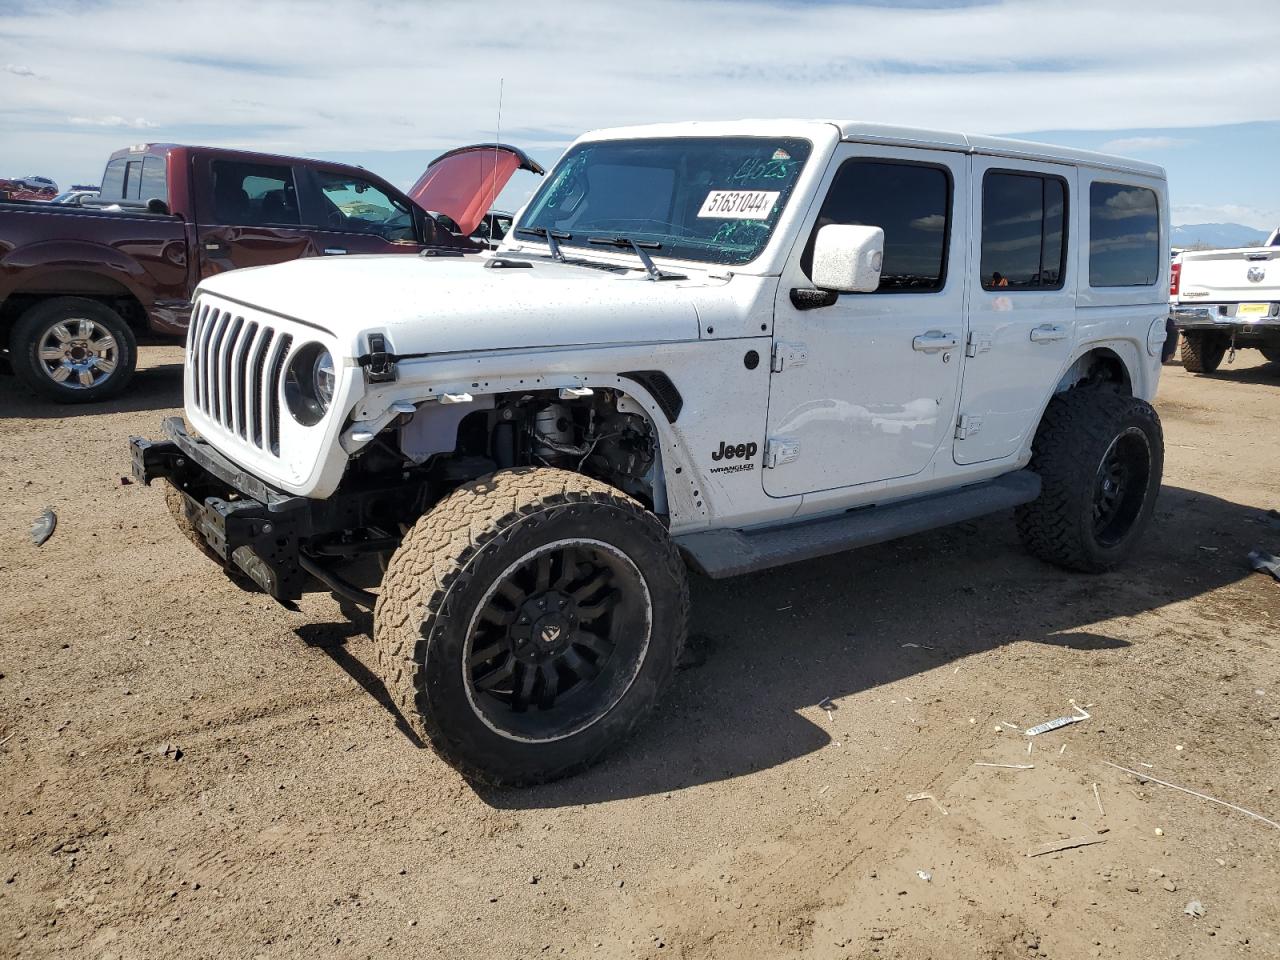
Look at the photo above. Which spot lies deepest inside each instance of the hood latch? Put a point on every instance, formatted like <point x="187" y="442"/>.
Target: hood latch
<point x="379" y="363"/>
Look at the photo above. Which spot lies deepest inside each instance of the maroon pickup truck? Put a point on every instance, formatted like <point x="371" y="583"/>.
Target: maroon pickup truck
<point x="78" y="283"/>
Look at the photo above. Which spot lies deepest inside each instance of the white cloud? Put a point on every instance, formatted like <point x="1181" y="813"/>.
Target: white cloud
<point x="18" y="70"/>
<point x="137" y="123"/>
<point x="355" y="75"/>
<point x="1128" y="145"/>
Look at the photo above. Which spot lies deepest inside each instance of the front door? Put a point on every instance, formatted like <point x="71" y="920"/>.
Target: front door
<point x="865" y="389"/>
<point x="352" y="215"/>
<point x="1022" y="309"/>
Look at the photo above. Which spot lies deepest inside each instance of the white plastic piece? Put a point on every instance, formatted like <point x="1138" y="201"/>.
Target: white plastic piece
<point x="362" y="436"/>
<point x="847" y="257"/>
<point x="575" y="393"/>
<point x="456" y="398"/>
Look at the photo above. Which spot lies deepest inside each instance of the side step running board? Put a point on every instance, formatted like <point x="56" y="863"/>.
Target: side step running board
<point x="728" y="553"/>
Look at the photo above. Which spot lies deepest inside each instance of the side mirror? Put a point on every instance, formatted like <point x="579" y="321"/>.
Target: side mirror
<point x="847" y="258"/>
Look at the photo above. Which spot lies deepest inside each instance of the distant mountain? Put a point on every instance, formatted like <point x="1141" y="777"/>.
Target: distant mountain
<point x="1216" y="235"/>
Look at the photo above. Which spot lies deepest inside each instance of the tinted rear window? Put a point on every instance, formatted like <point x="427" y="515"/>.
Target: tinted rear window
<point x="153" y="186"/>
<point x="254" y="194"/>
<point x="1124" y="236"/>
<point x="113" y="180"/>
<point x="1023" y="231"/>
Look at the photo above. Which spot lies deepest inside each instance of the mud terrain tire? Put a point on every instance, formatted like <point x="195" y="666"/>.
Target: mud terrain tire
<point x="1100" y="457"/>
<point x="565" y="590"/>
<point x="1202" y="352"/>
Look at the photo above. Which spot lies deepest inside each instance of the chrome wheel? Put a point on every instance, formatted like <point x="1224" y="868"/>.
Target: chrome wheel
<point x="77" y="353"/>
<point x="557" y="640"/>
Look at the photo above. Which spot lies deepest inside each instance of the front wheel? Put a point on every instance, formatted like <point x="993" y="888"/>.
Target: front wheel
<point x="73" y="350"/>
<point x="1100" y="457"/>
<point x="529" y="622"/>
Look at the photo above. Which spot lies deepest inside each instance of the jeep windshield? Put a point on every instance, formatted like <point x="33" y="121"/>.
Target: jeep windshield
<point x="714" y="199"/>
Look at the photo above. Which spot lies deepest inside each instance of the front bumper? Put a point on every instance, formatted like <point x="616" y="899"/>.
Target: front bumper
<point x="250" y="526"/>
<point x="280" y="541"/>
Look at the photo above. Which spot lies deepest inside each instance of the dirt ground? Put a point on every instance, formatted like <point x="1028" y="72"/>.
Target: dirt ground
<point x="192" y="771"/>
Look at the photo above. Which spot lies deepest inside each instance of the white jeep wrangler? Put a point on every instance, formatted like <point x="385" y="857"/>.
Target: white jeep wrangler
<point x="727" y="345"/>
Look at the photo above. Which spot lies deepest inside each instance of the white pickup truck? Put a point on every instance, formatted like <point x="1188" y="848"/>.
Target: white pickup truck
<point x="1226" y="300"/>
<point x="723" y="345"/>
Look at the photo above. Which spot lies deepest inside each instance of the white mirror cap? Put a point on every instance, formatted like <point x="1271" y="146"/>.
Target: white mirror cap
<point x="848" y="258"/>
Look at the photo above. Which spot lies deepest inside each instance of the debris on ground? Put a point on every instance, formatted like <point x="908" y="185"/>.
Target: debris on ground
<point x="1194" y="793"/>
<point x="1194" y="909"/>
<point x="1056" y="846"/>
<point x="1057" y="722"/>
<point x="1097" y="798"/>
<point x="912" y="798"/>
<point x="1007" y="766"/>
<point x="924" y="875"/>
<point x="44" y="526"/>
<point x="827" y="704"/>
<point x="1264" y="562"/>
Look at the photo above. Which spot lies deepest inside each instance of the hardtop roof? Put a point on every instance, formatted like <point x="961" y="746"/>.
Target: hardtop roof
<point x="861" y="131"/>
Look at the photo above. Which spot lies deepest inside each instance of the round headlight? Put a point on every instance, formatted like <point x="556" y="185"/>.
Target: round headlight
<point x="309" y="383"/>
<point x="324" y="379"/>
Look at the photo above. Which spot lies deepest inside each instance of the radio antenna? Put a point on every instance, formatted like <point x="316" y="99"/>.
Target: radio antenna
<point x="497" y="139"/>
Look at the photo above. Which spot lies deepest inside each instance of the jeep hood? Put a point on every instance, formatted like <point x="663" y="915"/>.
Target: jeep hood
<point x="428" y="305"/>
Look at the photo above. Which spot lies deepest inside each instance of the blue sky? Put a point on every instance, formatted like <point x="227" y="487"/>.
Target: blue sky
<point x="388" y="85"/>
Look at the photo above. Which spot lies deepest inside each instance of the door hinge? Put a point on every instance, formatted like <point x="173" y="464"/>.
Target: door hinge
<point x="778" y="451"/>
<point x="789" y="355"/>
<point x="978" y="343"/>
<point x="967" y="426"/>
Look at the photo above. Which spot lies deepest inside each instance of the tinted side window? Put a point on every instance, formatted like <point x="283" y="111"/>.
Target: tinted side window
<point x="113" y="181"/>
<point x="911" y="202"/>
<point x="254" y="194"/>
<point x="1124" y="236"/>
<point x="153" y="179"/>
<point x="132" y="174"/>
<point x="352" y="205"/>
<point x="1024" y="234"/>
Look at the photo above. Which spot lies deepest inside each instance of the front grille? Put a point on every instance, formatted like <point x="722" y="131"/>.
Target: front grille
<point x="236" y="367"/>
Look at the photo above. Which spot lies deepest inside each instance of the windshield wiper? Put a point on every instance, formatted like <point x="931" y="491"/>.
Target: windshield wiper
<point x="551" y="236"/>
<point x="638" y="246"/>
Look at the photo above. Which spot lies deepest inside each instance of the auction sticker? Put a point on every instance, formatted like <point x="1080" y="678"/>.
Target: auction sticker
<point x="739" y="204"/>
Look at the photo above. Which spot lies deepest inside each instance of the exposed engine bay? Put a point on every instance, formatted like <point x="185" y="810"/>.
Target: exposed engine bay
<point x="600" y="434"/>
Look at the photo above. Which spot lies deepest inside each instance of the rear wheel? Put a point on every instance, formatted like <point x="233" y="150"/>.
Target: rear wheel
<point x="1100" y="457"/>
<point x="73" y="350"/>
<point x="529" y="622"/>
<point x="1202" y="352"/>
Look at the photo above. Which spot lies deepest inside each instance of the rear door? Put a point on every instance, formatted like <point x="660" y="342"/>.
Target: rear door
<point x="1021" y="302"/>
<point x="248" y="214"/>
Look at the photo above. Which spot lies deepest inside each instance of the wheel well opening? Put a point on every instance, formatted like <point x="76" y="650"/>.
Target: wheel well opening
<point x="73" y="283"/>
<point x="1100" y="366"/>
